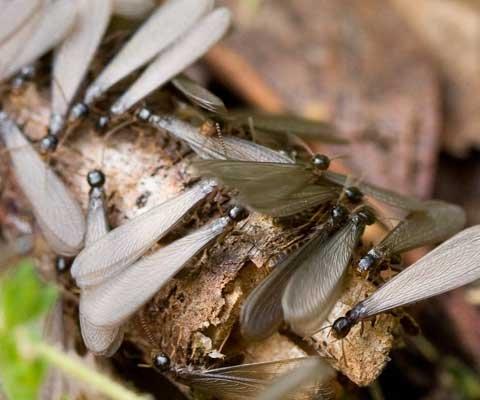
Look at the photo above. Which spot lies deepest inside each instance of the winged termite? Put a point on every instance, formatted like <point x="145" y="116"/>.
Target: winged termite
<point x="280" y="124"/>
<point x="103" y="341"/>
<point x="116" y="299"/>
<point x="193" y="45"/>
<point x="57" y="212"/>
<point x="37" y="36"/>
<point x="123" y="245"/>
<point x="314" y="288"/>
<point x="73" y="57"/>
<point x="209" y="147"/>
<point x="262" y="314"/>
<point x="165" y="25"/>
<point x="198" y="95"/>
<point x="454" y="263"/>
<point x="313" y="373"/>
<point x="133" y="8"/>
<point x="274" y="188"/>
<point x="420" y="228"/>
<point x="246" y="381"/>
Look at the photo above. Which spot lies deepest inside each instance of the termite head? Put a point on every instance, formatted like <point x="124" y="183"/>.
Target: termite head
<point x="79" y="110"/>
<point x="365" y="215"/>
<point x="96" y="178"/>
<point x="342" y="326"/>
<point x="369" y="260"/>
<point x="143" y="114"/>
<point x="237" y="213"/>
<point x="102" y="123"/>
<point x="353" y="194"/>
<point x="338" y="213"/>
<point x="49" y="143"/>
<point x="320" y="162"/>
<point x="61" y="264"/>
<point x="161" y="362"/>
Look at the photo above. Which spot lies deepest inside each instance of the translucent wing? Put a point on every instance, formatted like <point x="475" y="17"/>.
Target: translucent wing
<point x="276" y="189"/>
<point x="37" y="36"/>
<point x="384" y="195"/>
<point x="193" y="45"/>
<point x="133" y="8"/>
<point x="56" y="211"/>
<point x="292" y="124"/>
<point x="115" y="300"/>
<point x="308" y="378"/>
<point x="262" y="312"/>
<point x="245" y="381"/>
<point x="437" y="223"/>
<point x="454" y="263"/>
<point x="126" y="243"/>
<point x="214" y="148"/>
<point x="14" y="15"/>
<point x="198" y="95"/>
<point x="74" y="55"/>
<point x="166" y="24"/>
<point x="314" y="287"/>
<point x="100" y="341"/>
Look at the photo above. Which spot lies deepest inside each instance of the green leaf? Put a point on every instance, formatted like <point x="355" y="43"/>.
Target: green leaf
<point x="23" y="297"/>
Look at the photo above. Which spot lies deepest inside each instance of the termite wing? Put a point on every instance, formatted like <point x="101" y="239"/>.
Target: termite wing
<point x="44" y="30"/>
<point x="315" y="287"/>
<point x="123" y="245"/>
<point x="212" y="148"/>
<point x="280" y="124"/>
<point x="57" y="212"/>
<point x="15" y="15"/>
<point x="262" y="313"/>
<point x="194" y="44"/>
<point x="198" y="95"/>
<point x="453" y="264"/>
<point x="74" y="55"/>
<point x="54" y="385"/>
<point x="133" y="8"/>
<point x="103" y="341"/>
<point x="247" y="381"/>
<point x="118" y="298"/>
<point x="276" y="189"/>
<point x="436" y="223"/>
<point x="165" y="25"/>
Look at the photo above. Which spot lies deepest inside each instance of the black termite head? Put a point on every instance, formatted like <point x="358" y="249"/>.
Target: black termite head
<point x="161" y="362"/>
<point x="79" y="110"/>
<point x="49" y="143"/>
<point x="353" y="194"/>
<point x="366" y="262"/>
<point x="103" y="123"/>
<point x="143" y="114"/>
<point x="338" y="214"/>
<point x="320" y="162"/>
<point x="62" y="264"/>
<point x="237" y="213"/>
<point x="26" y="74"/>
<point x="96" y="178"/>
<point x="342" y="326"/>
<point x="364" y="215"/>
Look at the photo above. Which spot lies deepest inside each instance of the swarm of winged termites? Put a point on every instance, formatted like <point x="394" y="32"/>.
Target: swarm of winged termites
<point x="208" y="244"/>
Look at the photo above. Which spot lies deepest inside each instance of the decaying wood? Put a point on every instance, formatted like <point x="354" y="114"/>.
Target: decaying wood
<point x="194" y="318"/>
